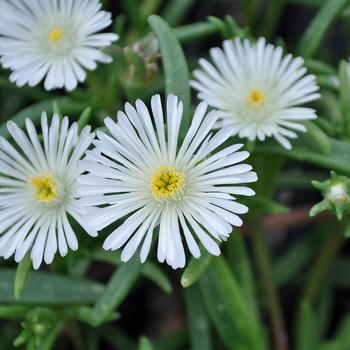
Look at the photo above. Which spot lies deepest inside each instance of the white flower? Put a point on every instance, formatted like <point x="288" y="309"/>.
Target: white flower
<point x="138" y="172"/>
<point x="257" y="90"/>
<point x="38" y="189"/>
<point x="55" y="39"/>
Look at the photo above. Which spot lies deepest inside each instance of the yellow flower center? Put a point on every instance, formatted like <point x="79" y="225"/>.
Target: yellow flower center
<point x="255" y="98"/>
<point x="45" y="189"/>
<point x="166" y="182"/>
<point x="55" y="35"/>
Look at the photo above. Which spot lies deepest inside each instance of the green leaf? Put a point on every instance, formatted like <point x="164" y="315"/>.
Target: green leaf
<point x="34" y="93"/>
<point x="150" y="270"/>
<point x="84" y="118"/>
<point x="22" y="274"/>
<point x="195" y="31"/>
<point x="176" y="10"/>
<point x="145" y="344"/>
<point x="13" y="312"/>
<point x="116" y="290"/>
<point x="131" y="8"/>
<point x="319" y="136"/>
<point x="312" y="37"/>
<point x="47" y="288"/>
<point x="341" y="339"/>
<point x="240" y="265"/>
<point x="229" y="309"/>
<point x="304" y="149"/>
<point x="272" y="17"/>
<point x="319" y="67"/>
<point x="175" y="66"/>
<point x="198" y="323"/>
<point x="195" y="269"/>
<point x="84" y="314"/>
<point x="307" y="328"/>
<point x="344" y="79"/>
<point x="33" y="112"/>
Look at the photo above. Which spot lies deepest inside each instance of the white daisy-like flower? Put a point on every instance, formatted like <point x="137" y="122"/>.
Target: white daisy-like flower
<point x="257" y="90"/>
<point x="38" y="189"/>
<point x="52" y="39"/>
<point x="139" y="174"/>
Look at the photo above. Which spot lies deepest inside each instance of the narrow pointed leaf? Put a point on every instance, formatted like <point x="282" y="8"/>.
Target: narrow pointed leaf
<point x="199" y="327"/>
<point x="116" y="290"/>
<point x="22" y="274"/>
<point x="312" y="37"/>
<point x="145" y="344"/>
<point x="229" y="309"/>
<point x="195" y="269"/>
<point x="307" y="328"/>
<point x="175" y="65"/>
<point x="66" y="105"/>
<point x="44" y="288"/>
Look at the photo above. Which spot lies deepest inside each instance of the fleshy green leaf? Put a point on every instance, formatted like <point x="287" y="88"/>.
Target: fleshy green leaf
<point x="198" y="320"/>
<point x="240" y="265"/>
<point x="195" y="31"/>
<point x="116" y="290"/>
<point x="22" y="274"/>
<point x="175" y="66"/>
<point x="176" y="10"/>
<point x="307" y="328"/>
<point x="47" y="288"/>
<point x="229" y="309"/>
<point x="150" y="270"/>
<point x="13" y="312"/>
<point x="341" y="339"/>
<point x="33" y="112"/>
<point x="319" y="136"/>
<point x="312" y="37"/>
<point x="84" y="118"/>
<point x="195" y="269"/>
<point x="145" y="344"/>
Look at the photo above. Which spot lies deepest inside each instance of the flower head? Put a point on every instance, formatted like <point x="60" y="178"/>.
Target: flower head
<point x="38" y="189"/>
<point x="140" y="174"/>
<point x="257" y="90"/>
<point x="52" y="40"/>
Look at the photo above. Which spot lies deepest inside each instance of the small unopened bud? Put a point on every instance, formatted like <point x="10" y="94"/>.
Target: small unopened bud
<point x="336" y="193"/>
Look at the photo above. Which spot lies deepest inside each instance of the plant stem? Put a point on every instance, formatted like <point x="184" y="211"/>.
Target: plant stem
<point x="323" y="263"/>
<point x="265" y="269"/>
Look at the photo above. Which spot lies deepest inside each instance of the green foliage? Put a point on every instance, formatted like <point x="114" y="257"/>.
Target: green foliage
<point x="312" y="37"/>
<point x="199" y="327"/>
<point x="43" y="288"/>
<point x="116" y="290"/>
<point x="22" y="274"/>
<point x="175" y="66"/>
<point x="229" y="309"/>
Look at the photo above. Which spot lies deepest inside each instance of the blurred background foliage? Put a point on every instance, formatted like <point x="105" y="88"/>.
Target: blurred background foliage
<point x="282" y="281"/>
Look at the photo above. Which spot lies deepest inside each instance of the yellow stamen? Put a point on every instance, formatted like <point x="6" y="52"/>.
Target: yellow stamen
<point x="56" y="34"/>
<point x="45" y="189"/>
<point x="256" y="98"/>
<point x="166" y="182"/>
